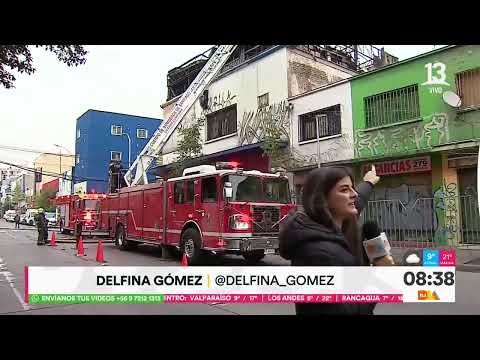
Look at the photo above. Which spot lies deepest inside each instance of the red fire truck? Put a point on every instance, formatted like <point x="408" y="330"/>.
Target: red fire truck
<point x="217" y="209"/>
<point x="80" y="213"/>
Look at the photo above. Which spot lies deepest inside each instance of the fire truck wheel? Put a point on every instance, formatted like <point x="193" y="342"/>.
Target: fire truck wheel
<point x="254" y="257"/>
<point x="191" y="246"/>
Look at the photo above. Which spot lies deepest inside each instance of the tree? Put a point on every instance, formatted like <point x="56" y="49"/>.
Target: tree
<point x="19" y="58"/>
<point x="7" y="205"/>
<point x="17" y="196"/>
<point x="189" y="146"/>
<point x="42" y="200"/>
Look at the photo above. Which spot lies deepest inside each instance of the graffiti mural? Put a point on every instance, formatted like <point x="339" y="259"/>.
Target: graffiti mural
<point x="403" y="138"/>
<point x="255" y="124"/>
<point x="445" y="203"/>
<point x="219" y="102"/>
<point x="334" y="152"/>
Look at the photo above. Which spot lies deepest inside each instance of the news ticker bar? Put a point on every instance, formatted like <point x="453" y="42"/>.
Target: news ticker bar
<point x="208" y="298"/>
<point x="239" y="284"/>
<point x="142" y="285"/>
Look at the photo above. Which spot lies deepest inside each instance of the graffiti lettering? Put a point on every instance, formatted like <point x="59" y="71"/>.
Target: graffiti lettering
<point x="219" y="102"/>
<point x="403" y="138"/>
<point x="255" y="124"/>
<point x="335" y="151"/>
<point x="445" y="202"/>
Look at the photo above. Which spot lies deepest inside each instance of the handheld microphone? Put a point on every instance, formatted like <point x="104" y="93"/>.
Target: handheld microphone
<point x="376" y="243"/>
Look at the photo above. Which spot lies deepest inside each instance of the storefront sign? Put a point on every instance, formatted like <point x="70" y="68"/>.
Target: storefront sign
<point x="400" y="166"/>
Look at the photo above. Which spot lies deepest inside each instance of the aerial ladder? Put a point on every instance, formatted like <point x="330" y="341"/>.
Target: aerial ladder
<point x="137" y="173"/>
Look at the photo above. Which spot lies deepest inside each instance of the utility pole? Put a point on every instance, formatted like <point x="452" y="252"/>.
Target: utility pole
<point x="317" y="123"/>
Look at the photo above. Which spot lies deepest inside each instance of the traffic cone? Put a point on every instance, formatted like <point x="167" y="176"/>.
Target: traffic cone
<point x="53" y="239"/>
<point x="184" y="260"/>
<point x="100" y="258"/>
<point x="80" y="250"/>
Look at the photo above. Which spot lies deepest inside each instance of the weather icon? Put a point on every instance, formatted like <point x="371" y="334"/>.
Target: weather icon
<point x="413" y="259"/>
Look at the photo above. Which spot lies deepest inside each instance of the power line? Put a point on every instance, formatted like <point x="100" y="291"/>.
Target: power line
<point x="53" y="174"/>
<point x="14" y="148"/>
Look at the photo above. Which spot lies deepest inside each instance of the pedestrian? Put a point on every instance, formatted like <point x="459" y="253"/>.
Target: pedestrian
<point x="17" y="221"/>
<point x="40" y="221"/>
<point x="326" y="232"/>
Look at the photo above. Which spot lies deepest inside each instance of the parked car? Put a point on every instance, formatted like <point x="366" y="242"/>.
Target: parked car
<point x="51" y="218"/>
<point x="10" y="215"/>
<point x="30" y="216"/>
<point x="23" y="219"/>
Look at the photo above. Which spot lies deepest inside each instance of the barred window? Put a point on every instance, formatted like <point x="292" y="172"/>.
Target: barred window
<point x="263" y="101"/>
<point x="392" y="106"/>
<point x="329" y="124"/>
<point x="468" y="85"/>
<point x="115" y="155"/>
<point x="116" y="130"/>
<point x="142" y="133"/>
<point x="222" y="123"/>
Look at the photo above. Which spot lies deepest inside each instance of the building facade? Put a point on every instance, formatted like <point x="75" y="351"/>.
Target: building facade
<point x="250" y="98"/>
<point x="105" y="136"/>
<point x="328" y="107"/>
<point x="408" y="123"/>
<point x="51" y="167"/>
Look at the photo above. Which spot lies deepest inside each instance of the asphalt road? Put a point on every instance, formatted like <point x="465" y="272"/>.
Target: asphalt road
<point x="18" y="248"/>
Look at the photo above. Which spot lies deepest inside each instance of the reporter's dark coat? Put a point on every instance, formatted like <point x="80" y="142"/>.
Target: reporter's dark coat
<point x="308" y="243"/>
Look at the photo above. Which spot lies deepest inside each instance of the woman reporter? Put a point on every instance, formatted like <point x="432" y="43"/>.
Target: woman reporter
<point x="326" y="233"/>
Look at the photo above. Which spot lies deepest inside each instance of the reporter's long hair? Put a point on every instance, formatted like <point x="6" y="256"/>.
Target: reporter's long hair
<point x="317" y="185"/>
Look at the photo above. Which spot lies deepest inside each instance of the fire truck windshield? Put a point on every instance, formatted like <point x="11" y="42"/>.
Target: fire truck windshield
<point x="276" y="190"/>
<point x="91" y="204"/>
<point x="256" y="189"/>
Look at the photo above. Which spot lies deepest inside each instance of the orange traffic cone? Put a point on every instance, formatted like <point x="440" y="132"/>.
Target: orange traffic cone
<point x="53" y="239"/>
<point x="80" y="250"/>
<point x="184" y="260"/>
<point x="100" y="258"/>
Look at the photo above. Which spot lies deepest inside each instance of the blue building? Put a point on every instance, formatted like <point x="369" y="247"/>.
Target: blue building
<point x="103" y="136"/>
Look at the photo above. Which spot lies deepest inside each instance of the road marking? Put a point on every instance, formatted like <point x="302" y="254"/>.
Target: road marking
<point x="10" y="279"/>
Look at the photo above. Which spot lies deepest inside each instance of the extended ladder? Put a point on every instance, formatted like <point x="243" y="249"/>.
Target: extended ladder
<point x="153" y="148"/>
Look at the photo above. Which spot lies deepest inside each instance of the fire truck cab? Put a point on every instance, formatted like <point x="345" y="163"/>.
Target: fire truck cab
<point x="218" y="209"/>
<point x="79" y="214"/>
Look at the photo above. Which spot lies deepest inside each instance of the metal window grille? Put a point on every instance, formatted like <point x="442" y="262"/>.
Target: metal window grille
<point x="468" y="86"/>
<point x="222" y="123"/>
<point x="417" y="224"/>
<point x="392" y="107"/>
<point x="328" y="126"/>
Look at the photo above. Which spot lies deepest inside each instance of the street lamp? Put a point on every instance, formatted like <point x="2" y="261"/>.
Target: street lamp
<point x="129" y="147"/>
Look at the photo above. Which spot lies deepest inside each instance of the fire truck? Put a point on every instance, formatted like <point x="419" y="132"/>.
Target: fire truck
<point x="79" y="214"/>
<point x="219" y="209"/>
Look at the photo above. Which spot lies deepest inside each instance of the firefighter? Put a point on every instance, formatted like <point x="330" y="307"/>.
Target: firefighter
<point x="40" y="221"/>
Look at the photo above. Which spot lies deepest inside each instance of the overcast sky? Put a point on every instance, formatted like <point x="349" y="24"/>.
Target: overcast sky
<point x="42" y="108"/>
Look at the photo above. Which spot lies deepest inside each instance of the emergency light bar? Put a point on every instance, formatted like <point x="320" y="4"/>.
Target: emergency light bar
<point x="227" y="165"/>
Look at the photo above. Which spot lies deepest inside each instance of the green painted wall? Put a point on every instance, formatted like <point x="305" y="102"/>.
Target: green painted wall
<point x="440" y="124"/>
